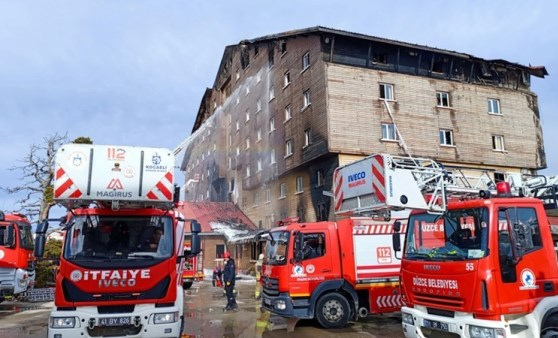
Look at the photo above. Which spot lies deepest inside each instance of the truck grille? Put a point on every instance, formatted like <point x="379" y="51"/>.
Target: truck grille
<point x="437" y="300"/>
<point x="115" y="309"/>
<point x="270" y="286"/>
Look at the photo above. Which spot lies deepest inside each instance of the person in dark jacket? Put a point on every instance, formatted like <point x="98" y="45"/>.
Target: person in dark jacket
<point x="229" y="276"/>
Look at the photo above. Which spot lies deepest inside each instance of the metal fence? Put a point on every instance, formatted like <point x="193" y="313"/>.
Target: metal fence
<point x="38" y="295"/>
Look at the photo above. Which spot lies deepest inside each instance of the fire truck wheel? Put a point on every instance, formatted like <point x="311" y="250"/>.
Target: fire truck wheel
<point x="550" y="327"/>
<point x="187" y="284"/>
<point x="332" y="311"/>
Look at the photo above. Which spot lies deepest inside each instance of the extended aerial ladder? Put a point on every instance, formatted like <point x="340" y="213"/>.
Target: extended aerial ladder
<point x="382" y="183"/>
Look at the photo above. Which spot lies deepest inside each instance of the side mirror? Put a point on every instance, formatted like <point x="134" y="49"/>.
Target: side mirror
<point x="40" y="245"/>
<point x="176" y="197"/>
<point x="195" y="227"/>
<point x="9" y="236"/>
<point x="396" y="238"/>
<point x="519" y="241"/>
<point x="42" y="227"/>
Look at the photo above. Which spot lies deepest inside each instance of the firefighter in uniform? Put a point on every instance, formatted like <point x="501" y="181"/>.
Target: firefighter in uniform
<point x="229" y="275"/>
<point x="259" y="264"/>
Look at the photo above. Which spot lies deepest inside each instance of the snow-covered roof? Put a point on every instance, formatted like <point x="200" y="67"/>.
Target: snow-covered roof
<point x="233" y="232"/>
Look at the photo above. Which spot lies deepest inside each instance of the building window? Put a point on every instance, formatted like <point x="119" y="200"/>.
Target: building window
<point x="446" y="137"/>
<point x="237" y="151"/>
<point x="307" y="100"/>
<point x="442" y="99"/>
<point x="259" y="164"/>
<point x="259" y="134"/>
<point x="498" y="143"/>
<point x="270" y="58"/>
<point x="272" y="157"/>
<point x="283" y="47"/>
<point x="231" y="185"/>
<point x="258" y="106"/>
<point x="247" y="143"/>
<point x="307" y="138"/>
<point x="247" y="170"/>
<point x="247" y="116"/>
<point x="286" y="79"/>
<point x="288" y="148"/>
<point x="282" y="190"/>
<point x="379" y="58"/>
<point x="237" y="125"/>
<point x="271" y="124"/>
<point x="386" y="91"/>
<point x="288" y="113"/>
<point x="299" y="185"/>
<point x="499" y="177"/>
<point x="256" y="199"/>
<point x="219" y="250"/>
<point x="389" y="132"/>
<point x="271" y="93"/>
<point x="494" y="106"/>
<point x="306" y="61"/>
<point x="268" y="195"/>
<point x="320" y="178"/>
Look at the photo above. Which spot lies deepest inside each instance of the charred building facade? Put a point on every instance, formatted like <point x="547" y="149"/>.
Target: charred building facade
<point x="287" y="109"/>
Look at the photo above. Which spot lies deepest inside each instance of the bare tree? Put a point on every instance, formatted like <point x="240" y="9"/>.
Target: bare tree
<point x="37" y="177"/>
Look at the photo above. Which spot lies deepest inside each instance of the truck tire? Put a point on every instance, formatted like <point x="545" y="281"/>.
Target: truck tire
<point x="332" y="311"/>
<point x="187" y="284"/>
<point x="550" y="327"/>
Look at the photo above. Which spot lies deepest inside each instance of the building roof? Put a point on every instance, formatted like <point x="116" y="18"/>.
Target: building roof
<point x="221" y="218"/>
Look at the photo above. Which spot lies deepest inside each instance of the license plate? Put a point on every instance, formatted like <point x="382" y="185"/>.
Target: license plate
<point x="267" y="301"/>
<point x="432" y="324"/>
<point x="115" y="321"/>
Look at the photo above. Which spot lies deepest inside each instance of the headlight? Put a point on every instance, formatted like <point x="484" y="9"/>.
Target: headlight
<point x="22" y="283"/>
<point x="280" y="304"/>
<point x="164" y="318"/>
<point x="407" y="318"/>
<point x="62" y="322"/>
<point x="485" y="332"/>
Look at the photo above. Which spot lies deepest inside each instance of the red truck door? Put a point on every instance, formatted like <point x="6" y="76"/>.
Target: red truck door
<point x="316" y="264"/>
<point x="525" y="281"/>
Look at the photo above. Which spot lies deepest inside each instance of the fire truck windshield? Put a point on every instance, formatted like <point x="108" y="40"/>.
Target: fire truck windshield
<point x="459" y="234"/>
<point x="93" y="237"/>
<point x="276" y="248"/>
<point x="25" y="235"/>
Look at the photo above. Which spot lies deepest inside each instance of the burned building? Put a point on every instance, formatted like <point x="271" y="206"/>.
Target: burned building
<point x="286" y="109"/>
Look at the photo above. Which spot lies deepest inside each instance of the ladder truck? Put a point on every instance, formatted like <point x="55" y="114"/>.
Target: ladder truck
<point x="340" y="271"/>
<point x="478" y="258"/>
<point x="123" y="254"/>
<point x="17" y="263"/>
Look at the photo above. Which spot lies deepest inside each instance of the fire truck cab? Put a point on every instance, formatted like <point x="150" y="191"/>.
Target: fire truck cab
<point x="486" y="267"/>
<point x="123" y="254"/>
<point x="17" y="263"/>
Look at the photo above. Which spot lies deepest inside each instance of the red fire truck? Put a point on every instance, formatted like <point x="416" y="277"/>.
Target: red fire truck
<point x="192" y="271"/>
<point x="335" y="271"/>
<point x="121" y="264"/>
<point x="482" y="266"/>
<point x="477" y="261"/>
<point x="17" y="263"/>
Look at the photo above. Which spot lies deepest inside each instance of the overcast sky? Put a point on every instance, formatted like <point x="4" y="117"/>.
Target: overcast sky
<point x="133" y="72"/>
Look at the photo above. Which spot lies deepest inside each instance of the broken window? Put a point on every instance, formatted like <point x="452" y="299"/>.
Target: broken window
<point x="446" y="137"/>
<point x="283" y="46"/>
<point x="379" y="58"/>
<point x="442" y="99"/>
<point x="386" y="91"/>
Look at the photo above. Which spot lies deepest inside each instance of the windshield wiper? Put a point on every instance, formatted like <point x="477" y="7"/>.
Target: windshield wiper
<point x="134" y="255"/>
